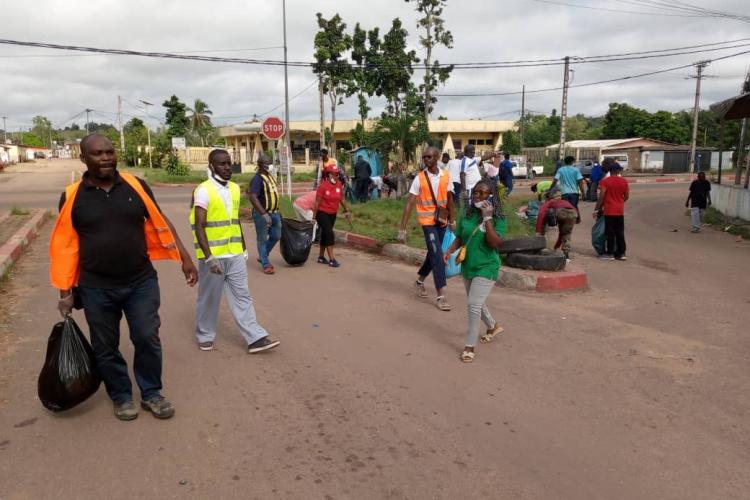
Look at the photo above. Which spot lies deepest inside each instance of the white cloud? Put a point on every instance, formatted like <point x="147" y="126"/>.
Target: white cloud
<point x="62" y="85"/>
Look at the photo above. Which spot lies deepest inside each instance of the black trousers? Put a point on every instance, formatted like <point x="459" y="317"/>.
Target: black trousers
<point x="326" y="223"/>
<point x="614" y="228"/>
<point x="363" y="189"/>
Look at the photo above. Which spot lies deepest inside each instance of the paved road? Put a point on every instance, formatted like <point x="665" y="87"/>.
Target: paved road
<point x="586" y="395"/>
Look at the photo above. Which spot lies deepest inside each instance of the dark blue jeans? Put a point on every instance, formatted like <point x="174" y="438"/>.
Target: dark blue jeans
<point x="571" y="198"/>
<point x="104" y="309"/>
<point x="267" y="236"/>
<point x="433" y="236"/>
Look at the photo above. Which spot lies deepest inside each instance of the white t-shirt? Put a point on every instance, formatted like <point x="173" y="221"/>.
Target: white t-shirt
<point x="471" y="169"/>
<point x="200" y="199"/>
<point x="491" y="169"/>
<point x="454" y="167"/>
<point x="416" y="187"/>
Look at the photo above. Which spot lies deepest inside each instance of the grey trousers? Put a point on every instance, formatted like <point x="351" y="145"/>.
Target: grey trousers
<point x="233" y="282"/>
<point x="695" y="218"/>
<point x="477" y="291"/>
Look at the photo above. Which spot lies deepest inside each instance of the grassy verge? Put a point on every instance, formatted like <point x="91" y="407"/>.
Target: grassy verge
<point x="197" y="176"/>
<point x="380" y="219"/>
<point x="19" y="211"/>
<point x="723" y="223"/>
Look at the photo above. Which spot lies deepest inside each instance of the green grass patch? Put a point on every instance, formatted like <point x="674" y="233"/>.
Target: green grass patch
<point x="380" y="219"/>
<point x="724" y="223"/>
<point x="19" y="211"/>
<point x="197" y="176"/>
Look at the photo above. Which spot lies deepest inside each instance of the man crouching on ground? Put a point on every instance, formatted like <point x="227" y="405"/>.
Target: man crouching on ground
<point x="220" y="246"/>
<point x="109" y="230"/>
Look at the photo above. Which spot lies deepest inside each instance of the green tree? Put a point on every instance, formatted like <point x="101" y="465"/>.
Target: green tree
<point x="31" y="139"/>
<point x="434" y="34"/>
<point x="176" y="117"/>
<point x="331" y="66"/>
<point x="43" y="129"/>
<point x="395" y="69"/>
<point x="200" y="120"/>
<point x="136" y="136"/>
<point x="365" y="47"/>
<point x="511" y="142"/>
<point x="399" y="134"/>
<point x="623" y="120"/>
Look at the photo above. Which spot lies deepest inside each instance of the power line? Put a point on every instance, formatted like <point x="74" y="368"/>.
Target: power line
<point x="672" y="9"/>
<point x="589" y="84"/>
<point x="176" y="52"/>
<point x="470" y="65"/>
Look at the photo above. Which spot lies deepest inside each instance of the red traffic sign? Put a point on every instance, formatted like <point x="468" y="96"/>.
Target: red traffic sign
<point x="273" y="128"/>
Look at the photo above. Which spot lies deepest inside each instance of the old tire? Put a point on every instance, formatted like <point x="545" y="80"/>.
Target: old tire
<point x="528" y="244"/>
<point x="536" y="262"/>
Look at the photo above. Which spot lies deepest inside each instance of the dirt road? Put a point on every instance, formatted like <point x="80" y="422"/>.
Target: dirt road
<point x="638" y="388"/>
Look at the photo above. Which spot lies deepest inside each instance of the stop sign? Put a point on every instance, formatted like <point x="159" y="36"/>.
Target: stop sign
<point x="273" y="128"/>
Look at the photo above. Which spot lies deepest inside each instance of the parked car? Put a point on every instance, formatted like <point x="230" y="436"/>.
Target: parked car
<point x="521" y="170"/>
<point x="585" y="168"/>
<point x="621" y="159"/>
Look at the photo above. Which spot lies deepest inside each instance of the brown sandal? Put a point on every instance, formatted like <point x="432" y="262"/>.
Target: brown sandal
<point x="491" y="334"/>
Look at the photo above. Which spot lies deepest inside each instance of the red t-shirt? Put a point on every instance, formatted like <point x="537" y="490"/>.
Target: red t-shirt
<point x="614" y="196"/>
<point x="330" y="196"/>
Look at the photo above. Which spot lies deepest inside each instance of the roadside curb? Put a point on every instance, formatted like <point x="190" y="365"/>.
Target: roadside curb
<point x="540" y="281"/>
<point x="519" y="279"/>
<point x="543" y="281"/>
<point x="11" y="250"/>
<point x="640" y="180"/>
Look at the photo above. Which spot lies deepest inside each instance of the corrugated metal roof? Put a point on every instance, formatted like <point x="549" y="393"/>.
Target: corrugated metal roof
<point x="599" y="143"/>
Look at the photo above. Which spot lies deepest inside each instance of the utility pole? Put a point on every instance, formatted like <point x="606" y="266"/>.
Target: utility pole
<point x="288" y="134"/>
<point x="741" y="151"/>
<point x="5" y="131"/>
<point x="564" y="109"/>
<point x="699" y="66"/>
<point x="87" y="120"/>
<point x="119" y="122"/>
<point x="523" y="114"/>
<point x="319" y="174"/>
<point x="322" y="114"/>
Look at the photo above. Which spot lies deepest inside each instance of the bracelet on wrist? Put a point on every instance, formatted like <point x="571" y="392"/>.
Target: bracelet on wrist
<point x="485" y="219"/>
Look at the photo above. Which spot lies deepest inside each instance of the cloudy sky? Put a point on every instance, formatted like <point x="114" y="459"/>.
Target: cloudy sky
<point x="61" y="84"/>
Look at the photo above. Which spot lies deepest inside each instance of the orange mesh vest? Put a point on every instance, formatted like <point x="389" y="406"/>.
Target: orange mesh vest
<point x="64" y="245"/>
<point x="425" y="207"/>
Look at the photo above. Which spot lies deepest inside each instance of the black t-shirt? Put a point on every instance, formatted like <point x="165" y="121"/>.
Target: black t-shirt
<point x="362" y="170"/>
<point x="113" y="252"/>
<point x="699" y="190"/>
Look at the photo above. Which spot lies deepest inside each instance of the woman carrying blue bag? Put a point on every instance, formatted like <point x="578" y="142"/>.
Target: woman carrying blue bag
<point x="451" y="267"/>
<point x="478" y="237"/>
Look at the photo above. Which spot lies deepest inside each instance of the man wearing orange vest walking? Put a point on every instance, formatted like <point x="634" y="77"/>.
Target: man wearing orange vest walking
<point x="430" y="193"/>
<point x="108" y="232"/>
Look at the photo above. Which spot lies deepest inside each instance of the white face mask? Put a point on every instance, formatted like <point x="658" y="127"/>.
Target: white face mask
<point x="478" y="204"/>
<point x="272" y="170"/>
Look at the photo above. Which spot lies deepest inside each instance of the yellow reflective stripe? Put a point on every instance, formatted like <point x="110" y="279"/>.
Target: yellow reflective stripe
<point x="221" y="243"/>
<point x="270" y="193"/>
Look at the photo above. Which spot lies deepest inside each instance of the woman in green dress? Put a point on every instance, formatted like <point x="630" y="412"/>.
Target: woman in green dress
<point x="481" y="230"/>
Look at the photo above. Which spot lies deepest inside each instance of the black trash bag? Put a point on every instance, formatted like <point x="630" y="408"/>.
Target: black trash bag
<point x="69" y="375"/>
<point x="296" y="241"/>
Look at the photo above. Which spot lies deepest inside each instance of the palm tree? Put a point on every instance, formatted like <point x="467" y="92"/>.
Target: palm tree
<point x="200" y="120"/>
<point x="399" y="133"/>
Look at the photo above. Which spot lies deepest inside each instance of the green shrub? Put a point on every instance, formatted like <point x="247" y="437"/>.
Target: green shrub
<point x="175" y="167"/>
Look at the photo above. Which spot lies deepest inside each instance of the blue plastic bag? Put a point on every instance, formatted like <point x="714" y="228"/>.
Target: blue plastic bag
<point x="451" y="269"/>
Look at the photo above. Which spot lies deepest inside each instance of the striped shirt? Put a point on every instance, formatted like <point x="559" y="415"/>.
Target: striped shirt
<point x="264" y="186"/>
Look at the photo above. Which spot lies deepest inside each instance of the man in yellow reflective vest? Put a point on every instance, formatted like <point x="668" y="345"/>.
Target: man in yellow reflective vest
<point x="431" y="192"/>
<point x="221" y="251"/>
<point x="265" y="200"/>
